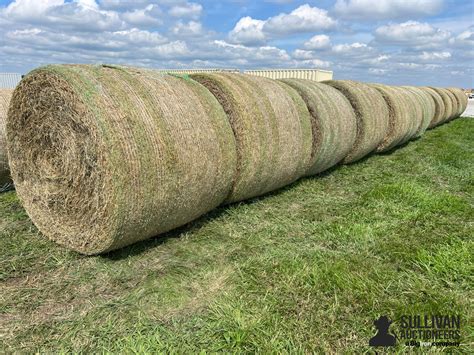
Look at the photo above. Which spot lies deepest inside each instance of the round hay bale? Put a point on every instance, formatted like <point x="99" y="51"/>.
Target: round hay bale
<point x="448" y="104"/>
<point x="105" y="156"/>
<point x="400" y="117"/>
<point x="5" y="95"/>
<point x="427" y="108"/>
<point x="333" y="123"/>
<point x="439" y="106"/>
<point x="415" y="102"/>
<point x="272" y="128"/>
<point x="461" y="99"/>
<point x="372" y="116"/>
<point x="454" y="102"/>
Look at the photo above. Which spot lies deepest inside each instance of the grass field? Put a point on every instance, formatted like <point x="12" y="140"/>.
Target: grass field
<point x="306" y="269"/>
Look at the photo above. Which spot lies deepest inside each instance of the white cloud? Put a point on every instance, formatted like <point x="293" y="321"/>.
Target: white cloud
<point x="190" y="29"/>
<point x="302" y="19"/>
<point x="82" y="15"/>
<point x="350" y="48"/>
<point x="149" y="16"/>
<point x="303" y="54"/>
<point x="248" y="31"/>
<point x="318" y="42"/>
<point x="412" y="33"/>
<point x="188" y="9"/>
<point x="315" y="63"/>
<point x="386" y="9"/>
<point x="434" y="56"/>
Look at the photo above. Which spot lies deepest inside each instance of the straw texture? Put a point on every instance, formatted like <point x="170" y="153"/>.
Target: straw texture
<point x="5" y="95"/>
<point x="400" y="117"/>
<point x="333" y="122"/>
<point x="272" y="128"/>
<point x="448" y="104"/>
<point x="461" y="100"/>
<point x="105" y="156"/>
<point x="439" y="106"/>
<point x="372" y="116"/>
<point x="427" y="104"/>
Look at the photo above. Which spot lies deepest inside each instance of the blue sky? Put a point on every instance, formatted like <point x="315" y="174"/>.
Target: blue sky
<point x="419" y="42"/>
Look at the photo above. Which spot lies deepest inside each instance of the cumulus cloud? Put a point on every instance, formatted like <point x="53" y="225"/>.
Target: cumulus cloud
<point x="386" y="9"/>
<point x="412" y="33"/>
<point x="189" y="29"/>
<point x="303" y="19"/>
<point x="148" y="16"/>
<point x="188" y="9"/>
<point x="248" y="31"/>
<point x="318" y="42"/>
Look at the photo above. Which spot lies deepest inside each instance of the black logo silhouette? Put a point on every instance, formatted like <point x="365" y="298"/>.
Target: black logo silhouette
<point x="382" y="338"/>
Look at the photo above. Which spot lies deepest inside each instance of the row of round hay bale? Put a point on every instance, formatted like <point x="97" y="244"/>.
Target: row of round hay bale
<point x="440" y="109"/>
<point x="106" y="156"/>
<point x="461" y="100"/>
<point x="426" y="103"/>
<point x="371" y="114"/>
<point x="448" y="104"/>
<point x="272" y="128"/>
<point x="333" y="123"/>
<point x="5" y="95"/>
<point x="400" y="118"/>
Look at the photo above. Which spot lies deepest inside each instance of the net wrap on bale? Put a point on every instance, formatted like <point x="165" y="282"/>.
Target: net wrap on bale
<point x="272" y="128"/>
<point x="5" y="95"/>
<point x="440" y="109"/>
<point x="461" y="100"/>
<point x="333" y="122"/>
<point x="372" y="116"/>
<point x="400" y="117"/>
<point x="427" y="105"/>
<point x="105" y="156"/>
<point x="448" y="104"/>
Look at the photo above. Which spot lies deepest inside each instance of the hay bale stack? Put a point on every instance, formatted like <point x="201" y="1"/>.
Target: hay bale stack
<point x="5" y="95"/>
<point x="461" y="100"/>
<point x="333" y="123"/>
<point x="439" y="106"/>
<point x="272" y="128"/>
<point x="416" y="117"/>
<point x="455" y="105"/>
<point x="448" y="104"/>
<point x="427" y="108"/>
<point x="371" y="113"/>
<point x="106" y="156"/>
<point x="400" y="117"/>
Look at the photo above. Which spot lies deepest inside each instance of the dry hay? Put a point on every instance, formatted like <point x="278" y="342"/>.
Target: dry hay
<point x="461" y="100"/>
<point x="415" y="103"/>
<point x="5" y="95"/>
<point x="439" y="106"/>
<point x="400" y="117"/>
<point x="106" y="156"/>
<point x="454" y="102"/>
<point x="448" y="104"/>
<point x="272" y="128"/>
<point x="333" y="123"/>
<point x="427" y="108"/>
<point x="372" y="116"/>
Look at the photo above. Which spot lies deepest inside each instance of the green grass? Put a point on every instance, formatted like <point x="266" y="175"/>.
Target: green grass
<point x="306" y="269"/>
